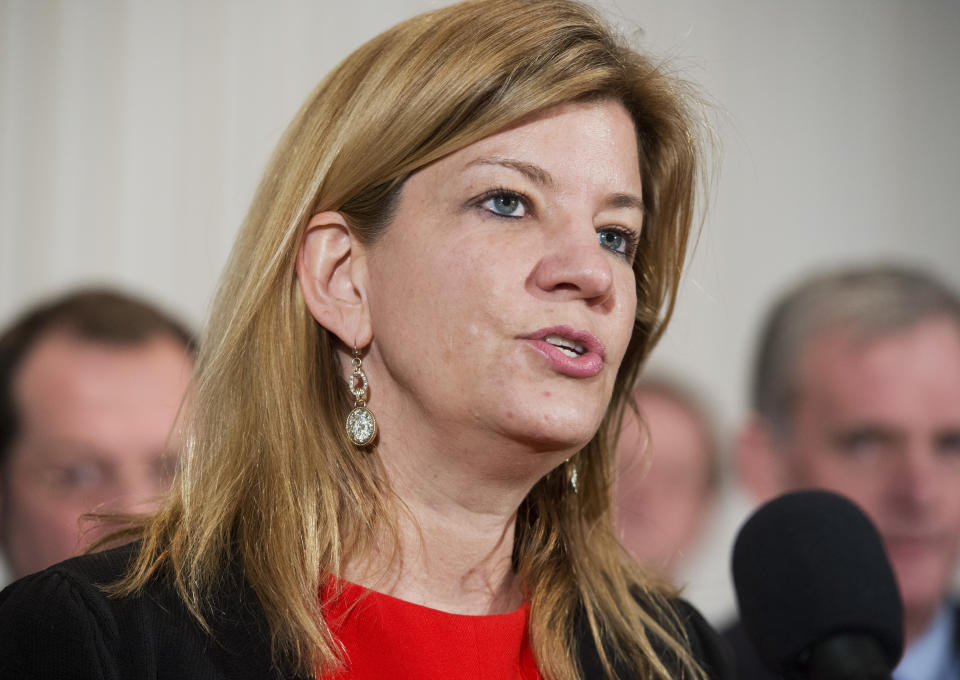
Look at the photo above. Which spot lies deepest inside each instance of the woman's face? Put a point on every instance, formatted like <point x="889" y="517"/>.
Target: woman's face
<point x="502" y="296"/>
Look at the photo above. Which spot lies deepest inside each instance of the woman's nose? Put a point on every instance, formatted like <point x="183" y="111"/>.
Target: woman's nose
<point x="575" y="265"/>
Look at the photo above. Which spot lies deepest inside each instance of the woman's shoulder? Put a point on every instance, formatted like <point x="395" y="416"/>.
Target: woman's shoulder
<point x="68" y="587"/>
<point x="60" y="623"/>
<point x="706" y="645"/>
<point x="75" y="587"/>
<point x="94" y="568"/>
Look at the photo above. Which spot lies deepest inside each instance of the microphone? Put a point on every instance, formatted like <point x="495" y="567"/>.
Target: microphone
<point x="816" y="593"/>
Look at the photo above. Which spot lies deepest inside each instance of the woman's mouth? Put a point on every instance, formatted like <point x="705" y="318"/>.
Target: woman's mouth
<point x="569" y="347"/>
<point x="575" y="353"/>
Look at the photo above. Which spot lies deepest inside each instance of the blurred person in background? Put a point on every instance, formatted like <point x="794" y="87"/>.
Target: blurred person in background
<point x="667" y="474"/>
<point x="856" y="390"/>
<point x="90" y="385"/>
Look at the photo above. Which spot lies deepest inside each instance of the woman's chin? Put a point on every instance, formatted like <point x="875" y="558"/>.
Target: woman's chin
<point x="545" y="432"/>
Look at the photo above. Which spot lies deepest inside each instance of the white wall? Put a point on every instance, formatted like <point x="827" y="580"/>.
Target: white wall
<point x="133" y="132"/>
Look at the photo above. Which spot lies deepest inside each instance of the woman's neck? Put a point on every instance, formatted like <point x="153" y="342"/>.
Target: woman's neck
<point x="455" y="527"/>
<point x="442" y="565"/>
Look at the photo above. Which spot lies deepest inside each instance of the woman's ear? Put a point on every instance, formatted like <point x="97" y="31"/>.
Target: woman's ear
<point x="331" y="272"/>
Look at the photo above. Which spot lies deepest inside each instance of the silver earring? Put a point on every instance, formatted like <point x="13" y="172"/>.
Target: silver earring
<point x="361" y="425"/>
<point x="571" y="474"/>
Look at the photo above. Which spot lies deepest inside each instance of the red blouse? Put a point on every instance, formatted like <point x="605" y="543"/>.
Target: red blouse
<point x="390" y="639"/>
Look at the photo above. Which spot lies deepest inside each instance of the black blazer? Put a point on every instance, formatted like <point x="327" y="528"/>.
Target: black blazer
<point x="58" y="624"/>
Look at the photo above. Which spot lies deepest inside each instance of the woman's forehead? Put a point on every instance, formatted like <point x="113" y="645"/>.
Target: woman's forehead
<point x="546" y="144"/>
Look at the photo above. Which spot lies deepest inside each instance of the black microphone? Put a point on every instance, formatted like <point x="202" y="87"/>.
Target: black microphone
<point x="816" y="593"/>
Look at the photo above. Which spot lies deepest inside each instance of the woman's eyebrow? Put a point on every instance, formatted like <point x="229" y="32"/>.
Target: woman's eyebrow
<point x="624" y="200"/>
<point x="533" y="172"/>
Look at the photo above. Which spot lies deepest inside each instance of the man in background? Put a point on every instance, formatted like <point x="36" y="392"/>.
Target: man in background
<point x="667" y="475"/>
<point x="856" y="389"/>
<point x="90" y="388"/>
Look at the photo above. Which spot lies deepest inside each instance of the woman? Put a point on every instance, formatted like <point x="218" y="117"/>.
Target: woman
<point x="462" y="250"/>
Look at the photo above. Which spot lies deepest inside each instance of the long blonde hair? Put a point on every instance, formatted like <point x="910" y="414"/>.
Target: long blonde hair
<point x="270" y="480"/>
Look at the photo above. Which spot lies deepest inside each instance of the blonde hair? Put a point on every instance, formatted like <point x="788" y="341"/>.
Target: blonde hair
<point x="270" y="480"/>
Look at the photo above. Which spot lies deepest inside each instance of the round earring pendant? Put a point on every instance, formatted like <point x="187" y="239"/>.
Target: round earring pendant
<point x="361" y="426"/>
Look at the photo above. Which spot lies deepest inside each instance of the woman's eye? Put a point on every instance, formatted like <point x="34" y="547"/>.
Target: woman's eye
<point x="617" y="240"/>
<point x="505" y="204"/>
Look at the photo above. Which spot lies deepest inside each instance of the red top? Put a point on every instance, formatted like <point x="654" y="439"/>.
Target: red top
<point x="390" y="639"/>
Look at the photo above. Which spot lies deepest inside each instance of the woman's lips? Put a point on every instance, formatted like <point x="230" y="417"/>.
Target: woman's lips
<point x="589" y="351"/>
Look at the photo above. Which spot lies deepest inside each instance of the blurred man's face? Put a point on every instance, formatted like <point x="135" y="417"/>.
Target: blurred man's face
<point x="662" y="491"/>
<point x="93" y="433"/>
<point x="879" y="421"/>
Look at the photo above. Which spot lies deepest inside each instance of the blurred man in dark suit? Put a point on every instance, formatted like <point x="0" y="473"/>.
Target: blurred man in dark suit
<point x="856" y="389"/>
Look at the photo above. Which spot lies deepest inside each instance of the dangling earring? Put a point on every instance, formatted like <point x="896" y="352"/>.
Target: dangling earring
<point x="361" y="425"/>
<point x="571" y="474"/>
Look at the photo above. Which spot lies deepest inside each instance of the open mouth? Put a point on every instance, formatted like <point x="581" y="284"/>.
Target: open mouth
<point x="570" y="352"/>
<point x="569" y="347"/>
